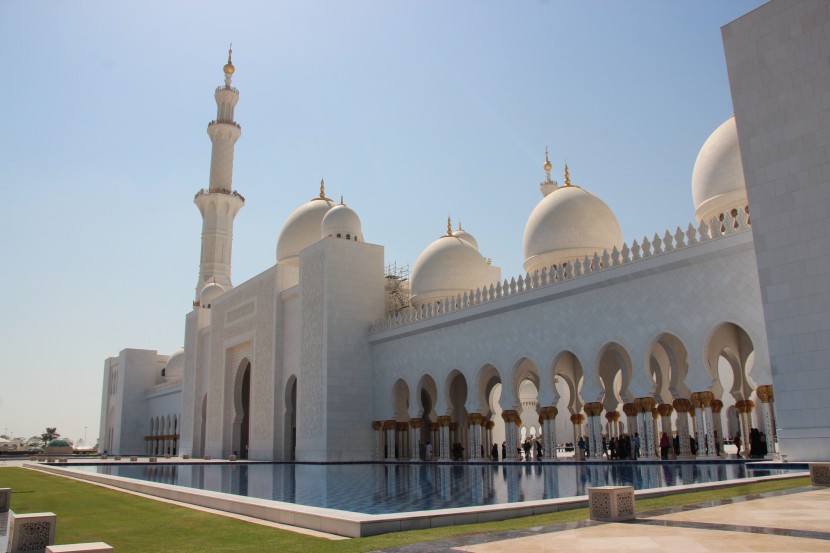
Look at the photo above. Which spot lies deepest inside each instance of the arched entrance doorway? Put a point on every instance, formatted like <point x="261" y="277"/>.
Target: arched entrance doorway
<point x="242" y="404"/>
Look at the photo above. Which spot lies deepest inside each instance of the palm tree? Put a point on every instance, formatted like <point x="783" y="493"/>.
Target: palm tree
<point x="49" y="435"/>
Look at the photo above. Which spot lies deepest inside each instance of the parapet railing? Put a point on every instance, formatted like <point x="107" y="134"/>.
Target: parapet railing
<point x="206" y="191"/>
<point x="647" y="249"/>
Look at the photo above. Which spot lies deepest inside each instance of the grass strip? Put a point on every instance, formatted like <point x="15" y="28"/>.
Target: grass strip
<point x="130" y="523"/>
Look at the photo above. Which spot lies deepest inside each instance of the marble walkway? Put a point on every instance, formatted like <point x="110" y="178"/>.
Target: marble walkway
<point x="795" y="520"/>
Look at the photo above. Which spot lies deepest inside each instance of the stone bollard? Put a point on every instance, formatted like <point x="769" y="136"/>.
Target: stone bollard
<point x="117" y="457"/>
<point x="133" y="459"/>
<point x="167" y="456"/>
<point x="104" y="457"/>
<point x="95" y="547"/>
<point x="31" y="532"/>
<point x="207" y="457"/>
<point x="185" y="457"/>
<point x="62" y="460"/>
<point x="154" y="459"/>
<point x="611" y="503"/>
<point x="50" y="460"/>
<point x="232" y="458"/>
<point x="5" y="499"/>
<point x="820" y="474"/>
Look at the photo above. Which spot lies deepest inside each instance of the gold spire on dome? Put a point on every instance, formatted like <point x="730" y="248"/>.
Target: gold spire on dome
<point x="567" y="176"/>
<point x="449" y="226"/>
<point x="459" y="225"/>
<point x="322" y="188"/>
<point x="547" y="166"/>
<point x="229" y="68"/>
<point x="341" y="200"/>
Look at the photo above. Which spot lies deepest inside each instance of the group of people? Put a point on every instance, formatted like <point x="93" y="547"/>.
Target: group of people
<point x="625" y="446"/>
<point x="757" y="443"/>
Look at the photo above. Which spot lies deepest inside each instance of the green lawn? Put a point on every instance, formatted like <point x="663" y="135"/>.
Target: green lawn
<point x="133" y="524"/>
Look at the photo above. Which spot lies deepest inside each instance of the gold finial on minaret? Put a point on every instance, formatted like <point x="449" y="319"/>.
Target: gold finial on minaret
<point x="341" y="200"/>
<point x="459" y="225"/>
<point x="322" y="188"/>
<point x="229" y="68"/>
<point x="547" y="166"/>
<point x="449" y="226"/>
<point x="567" y="176"/>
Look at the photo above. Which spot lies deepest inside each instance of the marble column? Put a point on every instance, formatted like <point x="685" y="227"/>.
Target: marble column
<point x="645" y="426"/>
<point x="511" y="418"/>
<point x="655" y="430"/>
<point x="474" y="420"/>
<point x="717" y="426"/>
<point x="706" y="400"/>
<point x="549" y="431"/>
<point x="377" y="426"/>
<point x="403" y="441"/>
<point x="665" y="410"/>
<point x="490" y="426"/>
<point x="609" y="424"/>
<point x="434" y="439"/>
<point x="593" y="411"/>
<point x="577" y="419"/>
<point x="700" y="428"/>
<point x="390" y="428"/>
<point x="744" y="408"/>
<point x="415" y="439"/>
<point x="630" y="411"/>
<point x="682" y="406"/>
<point x="767" y="396"/>
<point x="444" y="438"/>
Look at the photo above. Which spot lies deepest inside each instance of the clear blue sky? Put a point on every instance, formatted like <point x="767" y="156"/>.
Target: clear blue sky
<point x="412" y="110"/>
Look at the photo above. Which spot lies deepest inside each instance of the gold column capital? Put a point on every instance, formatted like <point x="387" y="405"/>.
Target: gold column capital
<point x="377" y="425"/>
<point x="717" y="406"/>
<point x="415" y="423"/>
<point x="510" y="415"/>
<point x="444" y="420"/>
<point x="665" y="409"/>
<point x="765" y="393"/>
<point x="390" y="424"/>
<point x="475" y="418"/>
<point x="682" y="405"/>
<point x="630" y="409"/>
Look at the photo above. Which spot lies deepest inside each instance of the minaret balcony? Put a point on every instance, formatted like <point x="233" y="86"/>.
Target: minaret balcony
<point x="215" y="122"/>
<point x="207" y="191"/>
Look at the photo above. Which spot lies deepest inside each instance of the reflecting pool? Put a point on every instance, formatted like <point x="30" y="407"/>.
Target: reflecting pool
<point x="375" y="488"/>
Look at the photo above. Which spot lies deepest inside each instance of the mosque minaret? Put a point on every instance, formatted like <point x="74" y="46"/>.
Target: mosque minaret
<point x="219" y="203"/>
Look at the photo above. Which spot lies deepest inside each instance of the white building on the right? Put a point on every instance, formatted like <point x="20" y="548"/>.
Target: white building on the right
<point x="778" y="58"/>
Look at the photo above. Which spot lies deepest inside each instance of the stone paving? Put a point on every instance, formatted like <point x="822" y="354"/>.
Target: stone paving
<point x="796" y="520"/>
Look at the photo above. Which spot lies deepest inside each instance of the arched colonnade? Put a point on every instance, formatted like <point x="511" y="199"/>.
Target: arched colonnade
<point x="462" y="415"/>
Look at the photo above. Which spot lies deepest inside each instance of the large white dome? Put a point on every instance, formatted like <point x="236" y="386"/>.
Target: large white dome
<point x="448" y="267"/>
<point x="301" y="229"/>
<point x="718" y="177"/>
<point x="341" y="221"/>
<point x="568" y="223"/>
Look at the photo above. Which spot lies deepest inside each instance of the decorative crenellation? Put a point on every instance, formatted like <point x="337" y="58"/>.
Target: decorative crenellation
<point x="577" y="268"/>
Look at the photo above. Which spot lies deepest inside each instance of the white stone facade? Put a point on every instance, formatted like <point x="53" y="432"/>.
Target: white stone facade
<point x="777" y="56"/>
<point x="302" y="362"/>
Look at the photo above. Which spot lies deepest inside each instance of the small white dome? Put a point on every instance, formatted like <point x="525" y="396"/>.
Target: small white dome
<point x="301" y="229"/>
<point x="341" y="221"/>
<point x="448" y="267"/>
<point x="568" y="224"/>
<point x="718" y="177"/>
<point x="175" y="365"/>
<point x="466" y="236"/>
<point x="209" y="294"/>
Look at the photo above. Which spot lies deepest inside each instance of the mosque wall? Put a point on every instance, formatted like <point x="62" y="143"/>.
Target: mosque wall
<point x="686" y="293"/>
<point x="341" y="292"/>
<point x="242" y="322"/>
<point x="128" y="414"/>
<point x="777" y="61"/>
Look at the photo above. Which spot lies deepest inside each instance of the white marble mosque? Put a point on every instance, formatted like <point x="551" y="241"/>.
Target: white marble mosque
<point x="332" y="354"/>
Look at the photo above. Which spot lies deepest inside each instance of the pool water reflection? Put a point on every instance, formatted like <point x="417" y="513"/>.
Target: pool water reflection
<point x="397" y="488"/>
